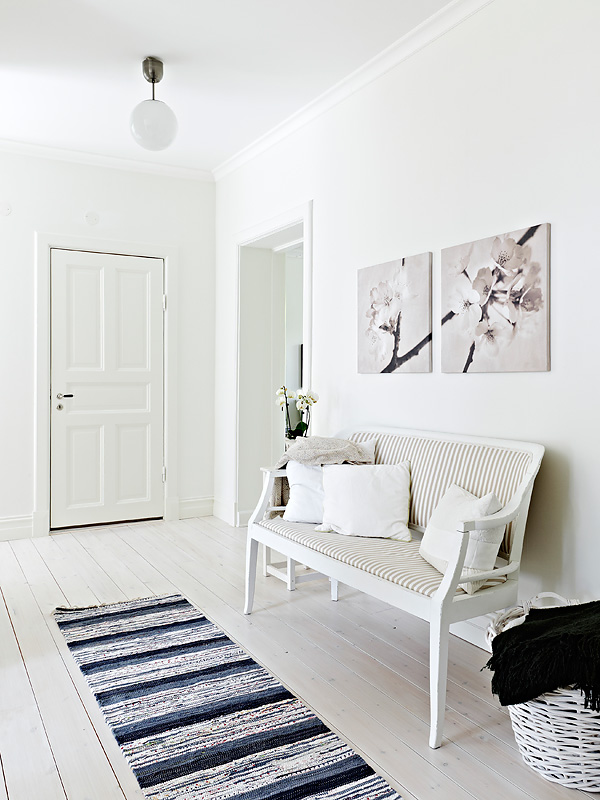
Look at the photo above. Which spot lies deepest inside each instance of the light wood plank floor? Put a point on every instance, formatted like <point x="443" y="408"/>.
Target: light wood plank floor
<point x="361" y="665"/>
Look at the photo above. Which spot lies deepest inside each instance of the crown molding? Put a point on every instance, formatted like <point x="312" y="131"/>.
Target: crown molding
<point x="424" y="34"/>
<point x="108" y="162"/>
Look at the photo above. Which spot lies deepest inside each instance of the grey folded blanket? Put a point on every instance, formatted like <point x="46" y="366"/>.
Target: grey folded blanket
<point x="318" y="450"/>
<point x="313" y="451"/>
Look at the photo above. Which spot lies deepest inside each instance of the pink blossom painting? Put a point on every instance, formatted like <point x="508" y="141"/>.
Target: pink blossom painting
<point x="394" y="316"/>
<point x="495" y="304"/>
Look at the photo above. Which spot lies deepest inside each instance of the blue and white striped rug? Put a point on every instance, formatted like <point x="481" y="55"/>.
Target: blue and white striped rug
<point x="197" y="718"/>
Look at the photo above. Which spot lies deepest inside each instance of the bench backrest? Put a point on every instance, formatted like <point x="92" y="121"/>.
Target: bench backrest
<point x="437" y="460"/>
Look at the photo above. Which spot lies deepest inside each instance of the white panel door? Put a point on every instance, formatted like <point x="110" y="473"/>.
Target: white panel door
<point x="107" y="388"/>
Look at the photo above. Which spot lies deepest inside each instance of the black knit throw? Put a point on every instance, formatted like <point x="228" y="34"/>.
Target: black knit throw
<point x="553" y="648"/>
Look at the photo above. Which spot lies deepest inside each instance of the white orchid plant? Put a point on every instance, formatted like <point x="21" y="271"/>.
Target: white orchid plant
<point x="305" y="399"/>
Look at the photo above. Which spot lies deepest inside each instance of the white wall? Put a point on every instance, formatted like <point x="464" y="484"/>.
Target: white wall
<point x="493" y="127"/>
<point x="52" y="197"/>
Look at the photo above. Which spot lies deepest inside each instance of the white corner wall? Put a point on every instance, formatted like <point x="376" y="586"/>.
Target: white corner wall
<point x="492" y="127"/>
<point x="51" y="198"/>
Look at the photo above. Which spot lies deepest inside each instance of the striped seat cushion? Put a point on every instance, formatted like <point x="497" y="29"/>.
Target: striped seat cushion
<point x="398" y="562"/>
<point x="436" y="463"/>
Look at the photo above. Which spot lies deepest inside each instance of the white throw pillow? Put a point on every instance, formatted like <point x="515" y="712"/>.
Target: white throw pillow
<point x="306" y="493"/>
<point x="367" y="500"/>
<point x="457" y="505"/>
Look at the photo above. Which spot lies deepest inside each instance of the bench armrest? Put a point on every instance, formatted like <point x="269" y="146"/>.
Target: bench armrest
<point x="277" y="473"/>
<point x="496" y="572"/>
<point x="264" y="504"/>
<point x="447" y="587"/>
<point x="453" y="575"/>
<point x="508" y="514"/>
<point x="502" y="517"/>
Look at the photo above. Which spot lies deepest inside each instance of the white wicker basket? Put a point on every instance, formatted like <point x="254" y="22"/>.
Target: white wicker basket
<point x="555" y="734"/>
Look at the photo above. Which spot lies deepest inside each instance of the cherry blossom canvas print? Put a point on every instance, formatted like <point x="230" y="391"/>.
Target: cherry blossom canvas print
<point x="495" y="304"/>
<point x="394" y="316"/>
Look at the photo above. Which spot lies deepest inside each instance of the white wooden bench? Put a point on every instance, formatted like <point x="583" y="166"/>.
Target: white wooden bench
<point x="394" y="571"/>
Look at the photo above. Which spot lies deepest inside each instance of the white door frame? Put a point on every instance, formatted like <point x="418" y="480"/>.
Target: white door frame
<point x="285" y="220"/>
<point x="41" y="456"/>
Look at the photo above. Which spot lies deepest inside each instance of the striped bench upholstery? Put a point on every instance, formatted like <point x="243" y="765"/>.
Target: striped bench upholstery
<point x="437" y="463"/>
<point x="398" y="562"/>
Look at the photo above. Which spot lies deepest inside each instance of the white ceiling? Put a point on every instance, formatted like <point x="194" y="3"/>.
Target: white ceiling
<point x="70" y="70"/>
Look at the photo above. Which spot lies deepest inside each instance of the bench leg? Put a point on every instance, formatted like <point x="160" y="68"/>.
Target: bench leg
<point x="438" y="674"/>
<point x="334" y="588"/>
<point x="251" y="558"/>
<point x="291" y="574"/>
<point x="266" y="560"/>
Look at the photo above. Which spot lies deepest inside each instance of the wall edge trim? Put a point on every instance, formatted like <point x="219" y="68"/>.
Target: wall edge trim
<point x="109" y="162"/>
<point x="195" y="507"/>
<point x="411" y="43"/>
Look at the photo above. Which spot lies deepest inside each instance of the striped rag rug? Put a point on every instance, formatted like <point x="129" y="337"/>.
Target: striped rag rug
<point x="197" y="718"/>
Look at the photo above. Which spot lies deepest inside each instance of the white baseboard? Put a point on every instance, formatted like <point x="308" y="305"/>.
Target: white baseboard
<point x="16" y="528"/>
<point x="473" y="630"/>
<point x="195" y="507"/>
<point x="38" y="523"/>
<point x="243" y="517"/>
<point x="224" y="510"/>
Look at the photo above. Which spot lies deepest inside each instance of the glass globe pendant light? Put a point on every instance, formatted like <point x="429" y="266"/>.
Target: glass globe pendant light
<point x="153" y="124"/>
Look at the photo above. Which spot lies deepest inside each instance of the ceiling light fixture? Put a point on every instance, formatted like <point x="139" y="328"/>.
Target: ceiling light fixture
<point x="153" y="124"/>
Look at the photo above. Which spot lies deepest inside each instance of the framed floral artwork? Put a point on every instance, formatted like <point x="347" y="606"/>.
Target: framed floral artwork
<point x="495" y="303"/>
<point x="394" y="316"/>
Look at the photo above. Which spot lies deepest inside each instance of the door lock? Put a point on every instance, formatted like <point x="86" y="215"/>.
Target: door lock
<point x="59" y="407"/>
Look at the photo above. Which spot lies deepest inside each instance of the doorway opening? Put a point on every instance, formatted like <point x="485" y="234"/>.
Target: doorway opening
<point x="273" y="349"/>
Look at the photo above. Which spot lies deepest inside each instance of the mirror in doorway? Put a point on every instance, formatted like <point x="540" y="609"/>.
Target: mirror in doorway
<point x="272" y="315"/>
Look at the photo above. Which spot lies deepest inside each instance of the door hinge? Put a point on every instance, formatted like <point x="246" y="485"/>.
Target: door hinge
<point x="164" y="302"/>
<point x="164" y="474"/>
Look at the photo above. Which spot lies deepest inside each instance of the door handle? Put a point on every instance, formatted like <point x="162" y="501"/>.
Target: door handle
<point x="60" y="396"/>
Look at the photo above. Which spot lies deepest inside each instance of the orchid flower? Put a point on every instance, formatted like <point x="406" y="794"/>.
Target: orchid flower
<point x="305" y="398"/>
